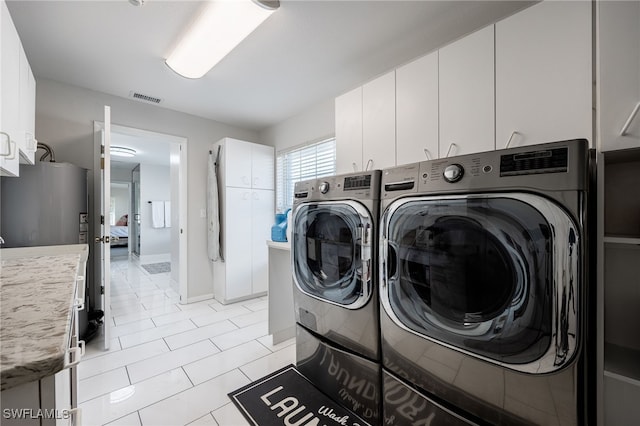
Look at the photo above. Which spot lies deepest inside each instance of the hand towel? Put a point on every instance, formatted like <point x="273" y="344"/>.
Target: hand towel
<point x="157" y="214"/>
<point x="167" y="214"/>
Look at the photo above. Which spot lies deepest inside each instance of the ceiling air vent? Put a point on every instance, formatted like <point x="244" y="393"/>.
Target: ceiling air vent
<point x="145" y="98"/>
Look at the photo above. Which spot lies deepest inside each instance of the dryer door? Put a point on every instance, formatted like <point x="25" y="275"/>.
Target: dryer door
<point x="332" y="252"/>
<point x="494" y="276"/>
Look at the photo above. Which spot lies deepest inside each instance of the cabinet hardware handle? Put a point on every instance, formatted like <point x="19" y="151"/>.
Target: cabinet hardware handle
<point x="354" y="167"/>
<point x="79" y="302"/>
<point x="427" y="154"/>
<point x="515" y="132"/>
<point x="77" y="415"/>
<point x="10" y="143"/>
<point x="627" y="123"/>
<point x="369" y="163"/>
<point x="453" y="145"/>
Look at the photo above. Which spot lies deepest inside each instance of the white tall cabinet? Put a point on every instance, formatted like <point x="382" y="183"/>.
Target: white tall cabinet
<point x="246" y="194"/>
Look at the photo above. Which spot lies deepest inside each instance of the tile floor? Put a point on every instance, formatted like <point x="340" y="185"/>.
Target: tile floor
<point x="172" y="364"/>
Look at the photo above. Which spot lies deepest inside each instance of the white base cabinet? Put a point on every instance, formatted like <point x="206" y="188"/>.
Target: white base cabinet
<point x="247" y="208"/>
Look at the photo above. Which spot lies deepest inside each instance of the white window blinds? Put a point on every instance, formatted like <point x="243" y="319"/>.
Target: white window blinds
<point x="302" y="163"/>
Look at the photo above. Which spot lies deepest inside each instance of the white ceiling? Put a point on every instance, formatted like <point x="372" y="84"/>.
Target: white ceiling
<point x="305" y="53"/>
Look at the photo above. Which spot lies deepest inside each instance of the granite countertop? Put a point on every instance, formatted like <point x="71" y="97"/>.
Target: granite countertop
<point x="37" y="289"/>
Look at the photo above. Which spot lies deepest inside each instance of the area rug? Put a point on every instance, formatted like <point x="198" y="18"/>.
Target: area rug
<point x="157" y="268"/>
<point x="286" y="397"/>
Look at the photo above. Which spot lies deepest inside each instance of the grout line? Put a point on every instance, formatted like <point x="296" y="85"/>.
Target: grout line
<point x="186" y="374"/>
<point x="126" y="368"/>
<point x="139" y="416"/>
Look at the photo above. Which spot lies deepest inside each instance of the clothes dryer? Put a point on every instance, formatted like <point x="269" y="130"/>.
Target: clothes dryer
<point x="484" y="287"/>
<point x="334" y="252"/>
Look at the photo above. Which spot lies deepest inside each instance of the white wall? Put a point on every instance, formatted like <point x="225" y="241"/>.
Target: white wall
<point x="313" y="124"/>
<point x="64" y="120"/>
<point x="155" y="185"/>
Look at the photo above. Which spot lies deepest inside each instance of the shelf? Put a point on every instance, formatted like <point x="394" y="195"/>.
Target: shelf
<point x="622" y="363"/>
<point x="622" y="240"/>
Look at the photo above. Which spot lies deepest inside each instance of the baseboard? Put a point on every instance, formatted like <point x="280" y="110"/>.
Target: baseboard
<point x="197" y="299"/>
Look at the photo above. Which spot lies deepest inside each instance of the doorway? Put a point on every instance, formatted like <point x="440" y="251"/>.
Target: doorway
<point x="154" y="169"/>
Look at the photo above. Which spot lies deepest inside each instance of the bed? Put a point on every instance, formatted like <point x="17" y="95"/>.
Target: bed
<point x="119" y="236"/>
<point x="120" y="232"/>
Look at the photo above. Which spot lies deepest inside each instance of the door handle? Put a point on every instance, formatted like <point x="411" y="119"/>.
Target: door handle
<point x="102" y="239"/>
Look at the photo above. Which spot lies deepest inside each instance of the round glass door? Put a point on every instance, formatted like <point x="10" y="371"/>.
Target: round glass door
<point x="328" y="252"/>
<point x="477" y="273"/>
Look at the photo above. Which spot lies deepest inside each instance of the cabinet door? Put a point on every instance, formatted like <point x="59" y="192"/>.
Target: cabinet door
<point x="262" y="218"/>
<point x="238" y="242"/>
<point x="417" y="110"/>
<point x="379" y="122"/>
<point x="543" y="74"/>
<point x="467" y="109"/>
<point x="9" y="76"/>
<point x="619" y="42"/>
<point x="349" y="131"/>
<point x="237" y="163"/>
<point x="27" y="95"/>
<point x="262" y="166"/>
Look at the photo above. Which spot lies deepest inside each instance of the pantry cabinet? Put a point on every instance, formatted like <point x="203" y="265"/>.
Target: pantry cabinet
<point x="245" y="184"/>
<point x="466" y="104"/>
<point x="379" y="122"/>
<point x="619" y="74"/>
<point x="544" y="74"/>
<point x="417" y="110"/>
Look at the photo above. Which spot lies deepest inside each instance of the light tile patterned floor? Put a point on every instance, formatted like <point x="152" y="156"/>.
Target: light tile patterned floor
<point x="172" y="364"/>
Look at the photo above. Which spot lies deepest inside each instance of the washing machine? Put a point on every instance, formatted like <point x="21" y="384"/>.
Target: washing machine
<point x="334" y="266"/>
<point x="485" y="288"/>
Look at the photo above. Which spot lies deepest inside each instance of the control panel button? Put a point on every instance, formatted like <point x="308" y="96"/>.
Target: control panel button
<point x="324" y="187"/>
<point x="453" y="173"/>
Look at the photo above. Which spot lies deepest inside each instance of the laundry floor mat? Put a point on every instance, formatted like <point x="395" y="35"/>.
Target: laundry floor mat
<point x="157" y="268"/>
<point x="286" y="397"/>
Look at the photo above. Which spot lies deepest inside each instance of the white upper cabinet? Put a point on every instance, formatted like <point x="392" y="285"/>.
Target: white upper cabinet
<point x="619" y="80"/>
<point x="26" y="133"/>
<point x="348" y="110"/>
<point x="262" y="166"/>
<point x="10" y="99"/>
<point x="467" y="109"/>
<point x="379" y="122"/>
<point x="239" y="156"/>
<point x="417" y="110"/>
<point x="544" y="74"/>
<point x="253" y="164"/>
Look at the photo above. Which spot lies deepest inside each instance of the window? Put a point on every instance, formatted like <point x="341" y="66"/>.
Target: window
<point x="302" y="163"/>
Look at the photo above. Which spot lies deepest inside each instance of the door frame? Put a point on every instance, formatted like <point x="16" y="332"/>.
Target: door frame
<point x="181" y="226"/>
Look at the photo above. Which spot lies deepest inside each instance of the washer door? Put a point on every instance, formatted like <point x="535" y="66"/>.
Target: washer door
<point x="332" y="252"/>
<point x="494" y="276"/>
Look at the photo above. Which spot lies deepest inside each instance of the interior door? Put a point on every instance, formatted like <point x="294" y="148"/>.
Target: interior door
<point x="104" y="239"/>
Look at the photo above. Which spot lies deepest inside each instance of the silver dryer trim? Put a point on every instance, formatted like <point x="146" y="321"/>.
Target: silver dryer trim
<point x="565" y="281"/>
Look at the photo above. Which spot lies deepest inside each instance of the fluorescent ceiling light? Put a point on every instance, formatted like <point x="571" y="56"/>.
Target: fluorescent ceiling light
<point x="221" y="26"/>
<point x="121" y="151"/>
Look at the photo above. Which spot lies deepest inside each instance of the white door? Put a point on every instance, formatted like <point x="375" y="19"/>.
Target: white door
<point x="104" y="239"/>
<point x="349" y="131"/>
<point x="238" y="240"/>
<point x="262" y="167"/>
<point x="467" y="108"/>
<point x="238" y="156"/>
<point x="262" y="208"/>
<point x="379" y="122"/>
<point x="544" y="91"/>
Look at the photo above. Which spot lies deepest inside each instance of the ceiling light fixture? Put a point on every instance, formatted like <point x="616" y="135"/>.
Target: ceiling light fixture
<point x="221" y="26"/>
<point x="121" y="151"/>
